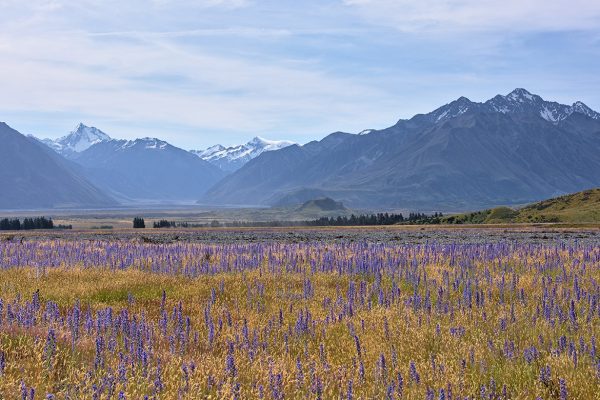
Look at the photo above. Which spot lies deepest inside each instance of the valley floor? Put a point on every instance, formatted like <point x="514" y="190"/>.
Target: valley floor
<point x="395" y="234"/>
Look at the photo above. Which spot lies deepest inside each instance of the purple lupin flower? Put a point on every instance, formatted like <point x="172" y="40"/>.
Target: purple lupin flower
<point x="2" y="362"/>
<point x="299" y="372"/>
<point x="400" y="384"/>
<point x="158" y="383"/>
<point x="50" y="348"/>
<point x="349" y="395"/>
<point x="545" y="375"/>
<point x="573" y="313"/>
<point x="414" y="375"/>
<point x="562" y="389"/>
<point x="382" y="368"/>
<point x="230" y="368"/>
<point x="430" y="394"/>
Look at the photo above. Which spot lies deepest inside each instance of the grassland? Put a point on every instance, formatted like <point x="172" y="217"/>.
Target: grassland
<point x="577" y="208"/>
<point x="320" y="320"/>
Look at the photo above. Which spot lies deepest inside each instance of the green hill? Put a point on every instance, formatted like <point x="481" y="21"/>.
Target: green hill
<point x="576" y="208"/>
<point x="323" y="204"/>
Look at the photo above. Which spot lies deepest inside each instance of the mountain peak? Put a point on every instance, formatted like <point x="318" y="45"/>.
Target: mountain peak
<point x="522" y="96"/>
<point x="520" y="92"/>
<point x="146" y="143"/>
<point x="257" y="140"/>
<point x="79" y="139"/>
<point x="232" y="158"/>
<point x="452" y="110"/>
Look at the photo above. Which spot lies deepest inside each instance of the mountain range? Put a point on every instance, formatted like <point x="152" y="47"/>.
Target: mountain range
<point x="230" y="159"/>
<point x="146" y="170"/>
<point x="150" y="169"/>
<point x="511" y="149"/>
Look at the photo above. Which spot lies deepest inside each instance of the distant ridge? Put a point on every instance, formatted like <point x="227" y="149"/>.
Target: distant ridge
<point x="511" y="149"/>
<point x="34" y="177"/>
<point x="146" y="170"/>
<point x="139" y="171"/>
<point x="230" y="159"/>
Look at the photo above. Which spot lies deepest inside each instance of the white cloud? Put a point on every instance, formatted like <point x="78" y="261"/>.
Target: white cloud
<point x="245" y="67"/>
<point x="432" y="16"/>
<point x="155" y="79"/>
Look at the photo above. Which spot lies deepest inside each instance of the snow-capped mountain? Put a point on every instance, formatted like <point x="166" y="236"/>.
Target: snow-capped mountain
<point x="139" y="170"/>
<point x="232" y="158"/>
<point x="511" y="149"/>
<point x="146" y="169"/>
<point x="79" y="139"/>
<point x="517" y="101"/>
<point x="144" y="143"/>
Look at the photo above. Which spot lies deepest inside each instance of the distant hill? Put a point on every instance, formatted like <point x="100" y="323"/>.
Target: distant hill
<point x="33" y="176"/>
<point x="324" y="204"/>
<point x="510" y="150"/>
<point x="581" y="207"/>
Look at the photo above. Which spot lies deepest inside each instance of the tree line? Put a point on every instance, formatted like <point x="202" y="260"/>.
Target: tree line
<point x="378" y="219"/>
<point x="15" y="224"/>
<point x="352" y="220"/>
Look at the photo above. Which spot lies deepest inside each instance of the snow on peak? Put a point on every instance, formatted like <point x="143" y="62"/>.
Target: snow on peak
<point x="83" y="137"/>
<point x="79" y="139"/>
<point x="145" y="143"/>
<point x="452" y="110"/>
<point x="208" y="151"/>
<point x="267" y="145"/>
<point x="520" y="95"/>
<point x="153" y="143"/>
<point x="232" y="158"/>
<point x="580" y="107"/>
<point x="520" y="101"/>
<point x="517" y="101"/>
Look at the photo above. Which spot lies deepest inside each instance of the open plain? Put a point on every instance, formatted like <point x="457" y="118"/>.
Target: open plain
<point x="319" y="313"/>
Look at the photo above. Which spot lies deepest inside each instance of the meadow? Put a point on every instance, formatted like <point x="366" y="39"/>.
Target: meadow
<point x="124" y="319"/>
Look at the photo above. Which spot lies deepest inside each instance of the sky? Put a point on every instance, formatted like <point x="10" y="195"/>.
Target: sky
<point x="201" y="72"/>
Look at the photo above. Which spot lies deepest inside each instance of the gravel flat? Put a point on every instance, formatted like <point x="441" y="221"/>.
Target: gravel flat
<point x="394" y="234"/>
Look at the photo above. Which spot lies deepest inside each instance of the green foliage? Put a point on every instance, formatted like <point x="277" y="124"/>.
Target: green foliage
<point x="138" y="223"/>
<point x="378" y="219"/>
<point x="581" y="207"/>
<point x="15" y="224"/>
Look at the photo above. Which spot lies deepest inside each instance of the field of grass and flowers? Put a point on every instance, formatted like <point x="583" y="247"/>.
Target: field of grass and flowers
<point x="102" y="319"/>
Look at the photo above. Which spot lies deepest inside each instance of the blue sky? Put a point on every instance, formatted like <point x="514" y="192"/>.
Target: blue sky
<point x="200" y="72"/>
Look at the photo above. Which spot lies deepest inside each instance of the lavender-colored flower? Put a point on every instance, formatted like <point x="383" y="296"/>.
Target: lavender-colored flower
<point x="349" y="395"/>
<point x="562" y="389"/>
<point x="2" y="362"/>
<point x="230" y="368"/>
<point x="414" y="375"/>
<point x="50" y="347"/>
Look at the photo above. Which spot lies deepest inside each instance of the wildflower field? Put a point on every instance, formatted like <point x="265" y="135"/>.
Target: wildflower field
<point x="101" y="319"/>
